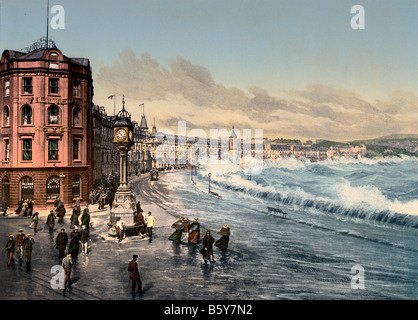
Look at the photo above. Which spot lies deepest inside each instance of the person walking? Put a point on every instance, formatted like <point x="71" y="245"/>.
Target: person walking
<point x="134" y="275"/>
<point x="85" y="218"/>
<point x="178" y="226"/>
<point x="185" y="231"/>
<point x="34" y="223"/>
<point x="150" y="224"/>
<point x="194" y="231"/>
<point x="50" y="221"/>
<point x="222" y="243"/>
<point x="10" y="248"/>
<point x="67" y="264"/>
<point x="30" y="207"/>
<point x="74" y="246"/>
<point x="207" y="250"/>
<point x="20" y="237"/>
<point x="61" y="242"/>
<point x="84" y="239"/>
<point x="75" y="215"/>
<point x="4" y="206"/>
<point x="61" y="213"/>
<point x="28" y="245"/>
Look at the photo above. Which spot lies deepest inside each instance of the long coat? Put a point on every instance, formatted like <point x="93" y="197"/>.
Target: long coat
<point x="133" y="270"/>
<point x="61" y="241"/>
<point x="208" y="244"/>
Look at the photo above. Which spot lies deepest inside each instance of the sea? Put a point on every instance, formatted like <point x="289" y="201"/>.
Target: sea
<point x="350" y="228"/>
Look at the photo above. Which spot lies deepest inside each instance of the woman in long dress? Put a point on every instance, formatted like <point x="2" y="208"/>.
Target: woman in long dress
<point x="223" y="242"/>
<point x="178" y="226"/>
<point x="194" y="231"/>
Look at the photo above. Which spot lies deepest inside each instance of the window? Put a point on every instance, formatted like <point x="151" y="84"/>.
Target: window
<point x="53" y="112"/>
<point x="53" y="149"/>
<point x="26" y="188"/>
<point x="27" y="85"/>
<point x="27" y="149"/>
<point x="76" y="149"/>
<point x="6" y="116"/>
<point x="76" y="89"/>
<point x="76" y="116"/>
<point x="53" y="86"/>
<point x="26" y="115"/>
<point x="76" y="186"/>
<point x="53" y="64"/>
<point x="6" y="150"/>
<point x="53" y="188"/>
<point x="7" y="87"/>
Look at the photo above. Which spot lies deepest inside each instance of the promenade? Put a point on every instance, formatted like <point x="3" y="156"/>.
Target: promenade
<point x="167" y="269"/>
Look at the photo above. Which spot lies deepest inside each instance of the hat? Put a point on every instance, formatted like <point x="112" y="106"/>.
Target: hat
<point x="83" y="226"/>
<point x="11" y="236"/>
<point x="196" y="219"/>
<point x="62" y="229"/>
<point x="20" y="230"/>
<point x="135" y="256"/>
<point x="225" y="226"/>
<point x="75" y="228"/>
<point x="28" y="235"/>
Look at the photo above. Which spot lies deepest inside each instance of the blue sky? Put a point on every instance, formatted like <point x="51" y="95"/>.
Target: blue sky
<point x="284" y="53"/>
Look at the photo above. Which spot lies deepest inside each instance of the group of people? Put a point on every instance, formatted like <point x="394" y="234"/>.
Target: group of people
<point x="186" y="232"/>
<point x="68" y="246"/>
<point x="102" y="195"/>
<point x="20" y="242"/>
<point x="25" y="207"/>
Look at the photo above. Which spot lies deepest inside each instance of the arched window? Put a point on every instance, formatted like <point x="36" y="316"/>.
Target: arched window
<point x="53" y="188"/>
<point x="76" y="117"/>
<point x="53" y="115"/>
<point x="26" y="115"/>
<point x="6" y="116"/>
<point x="26" y="188"/>
<point x="53" y="57"/>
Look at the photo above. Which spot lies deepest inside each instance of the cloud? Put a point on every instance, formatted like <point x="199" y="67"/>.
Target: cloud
<point x="188" y="92"/>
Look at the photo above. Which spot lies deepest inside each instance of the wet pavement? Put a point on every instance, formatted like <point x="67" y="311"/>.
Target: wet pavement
<point x="168" y="270"/>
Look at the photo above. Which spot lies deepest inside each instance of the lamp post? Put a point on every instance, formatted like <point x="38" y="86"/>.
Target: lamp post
<point x="209" y="175"/>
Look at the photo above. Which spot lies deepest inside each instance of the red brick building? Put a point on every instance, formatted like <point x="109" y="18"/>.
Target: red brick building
<point x="46" y="146"/>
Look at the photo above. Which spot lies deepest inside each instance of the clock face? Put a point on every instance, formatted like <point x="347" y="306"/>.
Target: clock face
<point x="121" y="134"/>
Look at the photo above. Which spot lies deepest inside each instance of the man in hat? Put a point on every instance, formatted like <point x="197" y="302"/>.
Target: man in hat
<point x="84" y="239"/>
<point x="61" y="242"/>
<point x="134" y="274"/>
<point x="35" y="219"/>
<point x="20" y="237"/>
<point x="61" y="212"/>
<point x="74" y="246"/>
<point x="85" y="218"/>
<point x="50" y="221"/>
<point x="207" y="250"/>
<point x="27" y="245"/>
<point x="194" y="231"/>
<point x="10" y="248"/>
<point x="67" y="264"/>
<point x="150" y="224"/>
<point x="74" y="216"/>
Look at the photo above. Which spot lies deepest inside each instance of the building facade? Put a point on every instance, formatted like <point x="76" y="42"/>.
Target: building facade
<point x="45" y="127"/>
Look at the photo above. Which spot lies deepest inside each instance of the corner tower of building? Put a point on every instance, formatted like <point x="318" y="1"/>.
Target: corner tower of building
<point x="45" y="127"/>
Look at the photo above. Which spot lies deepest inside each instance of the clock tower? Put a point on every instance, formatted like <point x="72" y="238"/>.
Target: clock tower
<point x="123" y="207"/>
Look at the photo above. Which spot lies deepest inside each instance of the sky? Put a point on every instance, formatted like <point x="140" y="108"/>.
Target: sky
<point x="294" y="68"/>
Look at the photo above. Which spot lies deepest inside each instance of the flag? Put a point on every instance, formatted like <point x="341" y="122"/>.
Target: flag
<point x="110" y="97"/>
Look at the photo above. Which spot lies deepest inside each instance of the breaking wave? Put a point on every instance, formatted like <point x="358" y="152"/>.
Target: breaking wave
<point x="373" y="190"/>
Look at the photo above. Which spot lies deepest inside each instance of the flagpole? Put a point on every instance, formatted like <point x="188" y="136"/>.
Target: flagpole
<point x="114" y="104"/>
<point x="47" y="24"/>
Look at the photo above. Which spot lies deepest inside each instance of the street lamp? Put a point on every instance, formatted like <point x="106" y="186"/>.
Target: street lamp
<point x="209" y="175"/>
